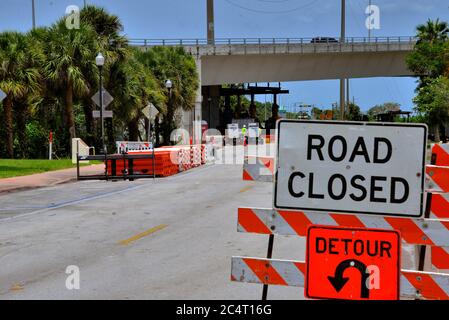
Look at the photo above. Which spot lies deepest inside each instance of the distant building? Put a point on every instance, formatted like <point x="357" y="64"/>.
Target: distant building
<point x="393" y="115"/>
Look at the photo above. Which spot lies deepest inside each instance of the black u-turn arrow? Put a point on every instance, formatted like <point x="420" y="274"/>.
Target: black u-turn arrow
<point x="338" y="281"/>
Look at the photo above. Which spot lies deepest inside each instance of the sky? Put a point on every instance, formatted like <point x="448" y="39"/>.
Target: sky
<point x="177" y="19"/>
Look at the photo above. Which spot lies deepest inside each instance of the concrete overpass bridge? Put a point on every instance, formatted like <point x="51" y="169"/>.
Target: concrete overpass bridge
<point x="240" y="60"/>
<point x="237" y="60"/>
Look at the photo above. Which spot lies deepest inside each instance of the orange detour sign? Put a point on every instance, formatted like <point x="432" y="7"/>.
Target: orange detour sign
<point x="352" y="263"/>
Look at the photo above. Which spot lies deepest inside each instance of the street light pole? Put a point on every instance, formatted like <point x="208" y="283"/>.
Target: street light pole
<point x="99" y="60"/>
<point x="168" y="85"/>
<point x="210" y="22"/>
<point x="369" y="29"/>
<point x="101" y="108"/>
<point x="342" y="40"/>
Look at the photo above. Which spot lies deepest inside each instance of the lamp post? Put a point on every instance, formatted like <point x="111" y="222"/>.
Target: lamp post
<point x="168" y="85"/>
<point x="99" y="61"/>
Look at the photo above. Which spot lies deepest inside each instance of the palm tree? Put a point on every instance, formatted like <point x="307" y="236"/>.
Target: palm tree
<point x="174" y="64"/>
<point x="432" y="31"/>
<point x="134" y="88"/>
<point x="70" y="53"/>
<point x="19" y="79"/>
<point x="113" y="46"/>
<point x="429" y="57"/>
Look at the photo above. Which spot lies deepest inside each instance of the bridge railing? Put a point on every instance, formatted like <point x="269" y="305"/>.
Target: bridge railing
<point x="269" y="41"/>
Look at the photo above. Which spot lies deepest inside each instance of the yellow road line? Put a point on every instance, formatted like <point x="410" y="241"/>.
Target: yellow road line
<point x="143" y="234"/>
<point x="16" y="287"/>
<point x="245" y="189"/>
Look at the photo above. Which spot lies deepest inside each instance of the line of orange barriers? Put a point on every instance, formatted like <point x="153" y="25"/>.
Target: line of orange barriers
<point x="168" y="160"/>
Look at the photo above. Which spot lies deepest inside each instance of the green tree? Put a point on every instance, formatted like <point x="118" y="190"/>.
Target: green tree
<point x="19" y="79"/>
<point x="316" y="112"/>
<point x="116" y="51"/>
<point x="433" y="101"/>
<point x="135" y="88"/>
<point x="430" y="55"/>
<point x="382" y="108"/>
<point x="353" y="112"/>
<point x="432" y="31"/>
<point x="430" y="61"/>
<point x="175" y="64"/>
<point x="70" y="53"/>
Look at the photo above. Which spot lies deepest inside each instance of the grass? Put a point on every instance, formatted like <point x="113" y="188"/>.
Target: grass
<point x="20" y="167"/>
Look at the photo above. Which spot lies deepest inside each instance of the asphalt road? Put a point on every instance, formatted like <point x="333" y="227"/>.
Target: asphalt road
<point x="169" y="238"/>
<point x="172" y="238"/>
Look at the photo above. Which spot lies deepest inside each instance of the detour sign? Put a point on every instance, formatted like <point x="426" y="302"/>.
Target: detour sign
<point x="352" y="263"/>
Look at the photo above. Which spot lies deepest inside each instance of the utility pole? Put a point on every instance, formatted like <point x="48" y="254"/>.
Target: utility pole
<point x="342" y="40"/>
<point x="33" y="13"/>
<point x="348" y="99"/>
<point x="210" y="22"/>
<point x="369" y="29"/>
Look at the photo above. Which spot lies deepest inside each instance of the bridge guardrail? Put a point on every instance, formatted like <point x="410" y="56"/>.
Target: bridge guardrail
<point x="271" y="41"/>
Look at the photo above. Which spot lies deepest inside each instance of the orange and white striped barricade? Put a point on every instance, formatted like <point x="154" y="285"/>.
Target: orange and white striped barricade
<point x="431" y="230"/>
<point x="258" y="168"/>
<point x="413" y="284"/>
<point x="440" y="154"/>
<point x="286" y="223"/>
<point x="438" y="180"/>
<point x="439" y="209"/>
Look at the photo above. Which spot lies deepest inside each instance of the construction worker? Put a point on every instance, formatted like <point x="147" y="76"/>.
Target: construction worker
<point x="244" y="134"/>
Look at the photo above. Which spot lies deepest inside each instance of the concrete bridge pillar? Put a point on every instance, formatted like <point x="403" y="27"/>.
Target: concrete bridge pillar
<point x="197" y="112"/>
<point x="211" y="105"/>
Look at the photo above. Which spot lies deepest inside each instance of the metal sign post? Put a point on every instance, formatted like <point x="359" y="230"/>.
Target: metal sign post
<point x="102" y="99"/>
<point x="150" y="112"/>
<point x="50" y="146"/>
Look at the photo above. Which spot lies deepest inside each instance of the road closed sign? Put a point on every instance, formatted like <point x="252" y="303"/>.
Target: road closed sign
<point x="352" y="263"/>
<point x="353" y="167"/>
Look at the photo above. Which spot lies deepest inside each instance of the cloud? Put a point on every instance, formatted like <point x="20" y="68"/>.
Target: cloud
<point x="421" y="7"/>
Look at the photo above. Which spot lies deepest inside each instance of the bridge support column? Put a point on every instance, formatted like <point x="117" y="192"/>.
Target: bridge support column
<point x="197" y="111"/>
<point x="342" y="99"/>
<point x="211" y="105"/>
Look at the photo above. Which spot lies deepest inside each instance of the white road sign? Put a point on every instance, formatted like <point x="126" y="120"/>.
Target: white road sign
<point x="354" y="167"/>
<point x="106" y="114"/>
<point x="233" y="131"/>
<point x="150" y="111"/>
<point x="2" y="95"/>
<point x="253" y="130"/>
<point x="107" y="98"/>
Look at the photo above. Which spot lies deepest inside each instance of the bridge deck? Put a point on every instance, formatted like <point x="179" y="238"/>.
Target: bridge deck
<point x="239" y="46"/>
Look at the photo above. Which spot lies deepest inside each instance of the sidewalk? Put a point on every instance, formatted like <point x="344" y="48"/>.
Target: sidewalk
<point x="45" y="179"/>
